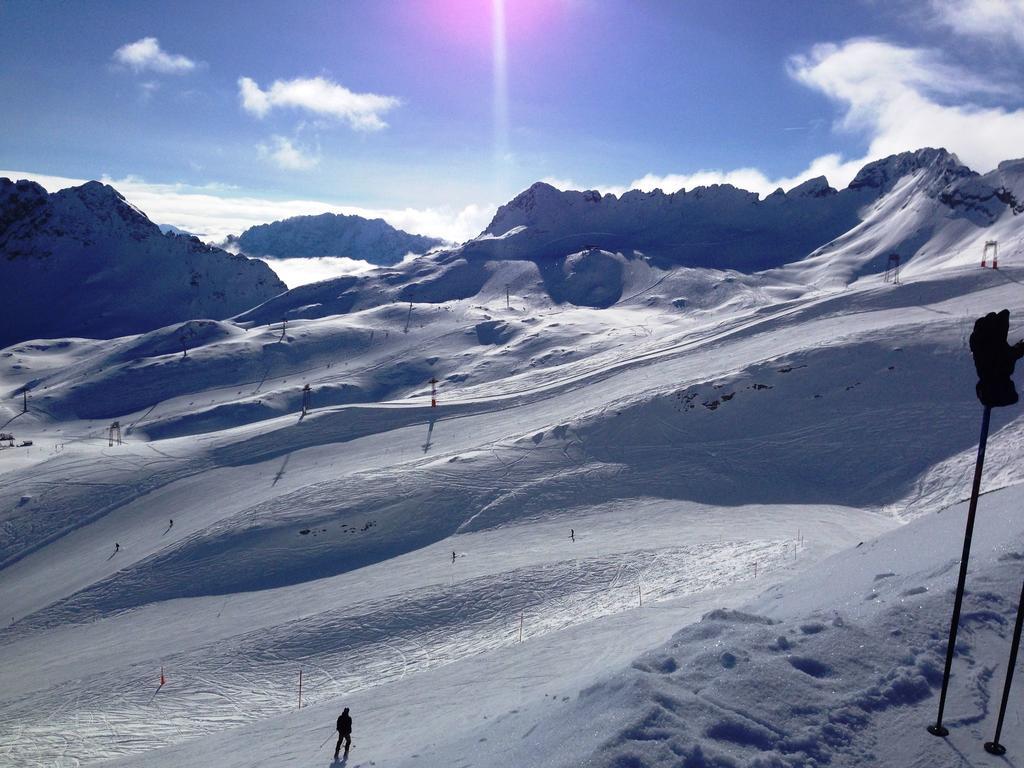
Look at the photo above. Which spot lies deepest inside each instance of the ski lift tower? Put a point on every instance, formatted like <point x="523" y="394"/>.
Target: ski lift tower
<point x="433" y="392"/>
<point x="892" y="269"/>
<point x="114" y="434"/>
<point x="994" y="245"/>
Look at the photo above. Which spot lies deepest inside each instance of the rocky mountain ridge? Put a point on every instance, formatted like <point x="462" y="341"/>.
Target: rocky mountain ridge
<point x="332" y="234"/>
<point x="588" y="249"/>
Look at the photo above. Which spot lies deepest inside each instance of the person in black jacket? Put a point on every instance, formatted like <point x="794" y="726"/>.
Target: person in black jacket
<point x="344" y="732"/>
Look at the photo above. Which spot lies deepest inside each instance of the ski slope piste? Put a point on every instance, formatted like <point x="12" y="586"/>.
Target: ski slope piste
<point x="765" y="474"/>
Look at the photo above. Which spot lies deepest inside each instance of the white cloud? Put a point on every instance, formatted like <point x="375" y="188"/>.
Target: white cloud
<point x="213" y="212"/>
<point x="751" y="179"/>
<point x="985" y="19"/>
<point x="286" y="155"/>
<point x="900" y="98"/>
<point x="906" y="98"/>
<point x="320" y="96"/>
<point x="296" y="272"/>
<point x="146" y="54"/>
<point x="832" y="167"/>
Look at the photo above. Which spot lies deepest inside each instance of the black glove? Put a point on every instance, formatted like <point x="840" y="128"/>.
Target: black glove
<point x="994" y="359"/>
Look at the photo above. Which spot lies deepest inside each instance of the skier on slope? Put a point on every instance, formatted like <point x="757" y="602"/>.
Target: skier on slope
<point x="572" y="534"/>
<point x="344" y="732"/>
<point x="453" y="556"/>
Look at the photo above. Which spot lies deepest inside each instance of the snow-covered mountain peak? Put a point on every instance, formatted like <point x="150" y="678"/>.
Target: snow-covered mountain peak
<point x="95" y="206"/>
<point x="102" y="268"/>
<point x="942" y="167"/>
<point x="816" y="187"/>
<point x="538" y="194"/>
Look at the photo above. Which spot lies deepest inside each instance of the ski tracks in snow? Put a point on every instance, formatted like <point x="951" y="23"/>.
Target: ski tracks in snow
<point x="254" y="675"/>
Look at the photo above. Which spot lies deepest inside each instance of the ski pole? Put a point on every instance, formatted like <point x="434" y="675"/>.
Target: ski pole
<point x="994" y="747"/>
<point x="937" y="728"/>
<point x="325" y="741"/>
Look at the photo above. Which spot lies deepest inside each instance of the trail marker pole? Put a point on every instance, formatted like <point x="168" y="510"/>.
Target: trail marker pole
<point x="433" y="392"/>
<point x="640" y="594"/>
<point x="508" y="300"/>
<point x="937" y="728"/>
<point x="755" y="569"/>
<point x="162" y="679"/>
<point x="24" y="401"/>
<point x="994" y="747"/>
<point x="520" y="626"/>
<point x="306" y="397"/>
<point x="300" y="687"/>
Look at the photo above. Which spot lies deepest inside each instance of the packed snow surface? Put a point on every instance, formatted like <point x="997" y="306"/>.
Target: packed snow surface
<point x="657" y="518"/>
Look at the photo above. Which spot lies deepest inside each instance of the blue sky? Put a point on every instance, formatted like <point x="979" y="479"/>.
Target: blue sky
<point x="407" y="108"/>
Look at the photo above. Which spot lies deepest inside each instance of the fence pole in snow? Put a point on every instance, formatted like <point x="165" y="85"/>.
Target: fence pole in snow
<point x="640" y="594"/>
<point x="300" y="687"/>
<point x="162" y="681"/>
<point x="937" y="728"/>
<point x="994" y="747"/>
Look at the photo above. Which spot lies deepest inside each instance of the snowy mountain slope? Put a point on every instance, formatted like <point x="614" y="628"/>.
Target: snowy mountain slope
<point x="86" y="263"/>
<point x="926" y="231"/>
<point x="331" y="234"/>
<point x="325" y="541"/>
<point x="718" y="226"/>
<point x="839" y="666"/>
<point x="589" y="250"/>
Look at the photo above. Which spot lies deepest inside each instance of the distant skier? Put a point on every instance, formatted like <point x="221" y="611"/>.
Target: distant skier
<point x="170" y="524"/>
<point x="117" y="547"/>
<point x="572" y="534"/>
<point x="344" y="732"/>
<point x="453" y="557"/>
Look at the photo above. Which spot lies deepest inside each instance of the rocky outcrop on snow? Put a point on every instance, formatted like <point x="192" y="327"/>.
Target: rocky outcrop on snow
<point x="331" y="234"/>
<point x="85" y="262"/>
